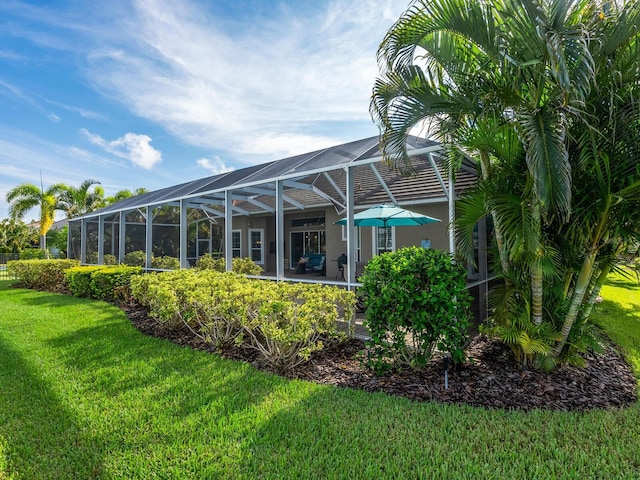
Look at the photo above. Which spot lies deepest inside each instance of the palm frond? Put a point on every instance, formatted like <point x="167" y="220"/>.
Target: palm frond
<point x="543" y="132"/>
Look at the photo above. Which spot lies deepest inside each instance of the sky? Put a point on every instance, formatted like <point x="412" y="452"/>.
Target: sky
<point x="151" y="93"/>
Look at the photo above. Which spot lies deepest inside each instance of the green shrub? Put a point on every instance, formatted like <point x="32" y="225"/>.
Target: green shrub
<point x="91" y="258"/>
<point x="135" y="259"/>
<point x="79" y="280"/>
<point x="286" y="322"/>
<point x="109" y="283"/>
<point x="34" y="254"/>
<point x="165" y="263"/>
<point x="243" y="266"/>
<point x="109" y="259"/>
<point x="283" y="322"/>
<point x="416" y="300"/>
<point x="158" y="292"/>
<point x="207" y="262"/>
<point x="112" y="283"/>
<point x="41" y="274"/>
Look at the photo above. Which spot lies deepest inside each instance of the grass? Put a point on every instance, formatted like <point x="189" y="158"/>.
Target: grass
<point x="84" y="395"/>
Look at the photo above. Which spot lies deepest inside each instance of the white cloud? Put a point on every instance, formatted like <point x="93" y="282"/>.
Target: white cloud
<point x="215" y="165"/>
<point x="131" y="146"/>
<point x="219" y="86"/>
<point x="54" y="118"/>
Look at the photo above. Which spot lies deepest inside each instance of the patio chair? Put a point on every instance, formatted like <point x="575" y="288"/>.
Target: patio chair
<point x="342" y="261"/>
<point x="317" y="264"/>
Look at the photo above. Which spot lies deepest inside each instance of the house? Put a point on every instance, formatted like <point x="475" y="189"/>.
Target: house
<point x="279" y="212"/>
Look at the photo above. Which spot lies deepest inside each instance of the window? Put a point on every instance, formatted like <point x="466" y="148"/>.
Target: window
<point x="385" y="240"/>
<point x="358" y="242"/>
<point x="236" y="243"/>
<point x="256" y="245"/>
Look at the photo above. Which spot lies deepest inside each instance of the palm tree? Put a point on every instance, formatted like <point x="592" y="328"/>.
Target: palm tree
<point x="76" y="201"/>
<point x="26" y="196"/>
<point x="15" y="235"/>
<point x="484" y="73"/>
<point x="123" y="194"/>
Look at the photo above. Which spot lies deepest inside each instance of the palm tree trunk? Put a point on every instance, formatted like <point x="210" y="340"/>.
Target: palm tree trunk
<point x="582" y="285"/>
<point x="43" y="242"/>
<point x="536" y="267"/>
<point x="596" y="290"/>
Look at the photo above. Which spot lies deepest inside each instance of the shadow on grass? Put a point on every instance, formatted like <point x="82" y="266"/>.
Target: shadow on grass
<point x="43" y="438"/>
<point x="626" y="284"/>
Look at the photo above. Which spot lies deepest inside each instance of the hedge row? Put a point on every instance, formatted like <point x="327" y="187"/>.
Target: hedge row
<point x="41" y="274"/>
<point x="109" y="283"/>
<point x="284" y="322"/>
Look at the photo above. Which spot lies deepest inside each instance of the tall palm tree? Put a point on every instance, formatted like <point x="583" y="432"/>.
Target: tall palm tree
<point x="480" y="73"/>
<point x="76" y="201"/>
<point x="26" y="196"/>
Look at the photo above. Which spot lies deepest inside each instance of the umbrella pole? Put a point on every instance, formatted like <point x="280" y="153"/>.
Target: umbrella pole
<point x="386" y="236"/>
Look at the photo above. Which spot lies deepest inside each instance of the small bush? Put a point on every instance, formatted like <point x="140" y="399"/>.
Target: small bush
<point x="91" y="258"/>
<point x="135" y="259"/>
<point x="243" y="266"/>
<point x="288" y="321"/>
<point x="207" y="262"/>
<point x="41" y="274"/>
<point x="34" y="254"/>
<point x="109" y="259"/>
<point x="165" y="263"/>
<point x="416" y="300"/>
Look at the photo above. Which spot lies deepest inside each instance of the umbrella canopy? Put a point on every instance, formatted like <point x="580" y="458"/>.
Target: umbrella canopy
<point x="388" y="216"/>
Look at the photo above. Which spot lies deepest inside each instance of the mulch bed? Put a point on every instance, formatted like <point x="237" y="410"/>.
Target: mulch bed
<point x="490" y="378"/>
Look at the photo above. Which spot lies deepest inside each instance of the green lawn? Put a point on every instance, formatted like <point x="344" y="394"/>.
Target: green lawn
<point x="84" y="395"/>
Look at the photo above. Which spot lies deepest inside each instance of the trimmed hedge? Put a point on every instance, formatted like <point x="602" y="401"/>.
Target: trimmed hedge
<point x="109" y="283"/>
<point x="284" y="322"/>
<point x="79" y="279"/>
<point x="41" y="274"/>
<point x="113" y="284"/>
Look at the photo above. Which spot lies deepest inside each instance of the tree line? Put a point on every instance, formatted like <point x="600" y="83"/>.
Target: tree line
<point x="89" y="196"/>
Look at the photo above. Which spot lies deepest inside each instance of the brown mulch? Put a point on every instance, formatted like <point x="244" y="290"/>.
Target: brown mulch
<point x="490" y="378"/>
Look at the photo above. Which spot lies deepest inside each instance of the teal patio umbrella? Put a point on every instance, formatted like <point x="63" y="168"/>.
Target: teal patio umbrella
<point x="386" y="216"/>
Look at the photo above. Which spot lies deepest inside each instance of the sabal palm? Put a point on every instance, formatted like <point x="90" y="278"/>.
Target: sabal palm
<point x="26" y="196"/>
<point x="525" y="67"/>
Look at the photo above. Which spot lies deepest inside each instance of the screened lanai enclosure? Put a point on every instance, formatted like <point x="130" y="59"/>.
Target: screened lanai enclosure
<point x="282" y="214"/>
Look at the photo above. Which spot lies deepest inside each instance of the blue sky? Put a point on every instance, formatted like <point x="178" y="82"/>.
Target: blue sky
<point x="152" y="93"/>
